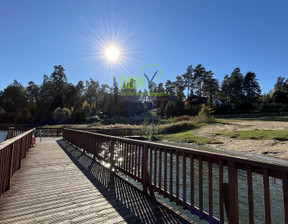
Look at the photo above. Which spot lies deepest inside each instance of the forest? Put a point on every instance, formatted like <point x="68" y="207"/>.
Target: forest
<point x="57" y="101"/>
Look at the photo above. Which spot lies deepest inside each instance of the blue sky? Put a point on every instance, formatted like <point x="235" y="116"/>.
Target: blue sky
<point x="220" y="35"/>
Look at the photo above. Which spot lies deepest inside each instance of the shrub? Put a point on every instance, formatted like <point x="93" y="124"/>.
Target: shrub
<point x="171" y="109"/>
<point x="182" y="118"/>
<point x="206" y="110"/>
<point x="175" y="127"/>
<point x="61" y="115"/>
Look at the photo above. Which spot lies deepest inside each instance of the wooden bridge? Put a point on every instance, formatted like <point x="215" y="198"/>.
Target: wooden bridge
<point x="57" y="183"/>
<point x="83" y="179"/>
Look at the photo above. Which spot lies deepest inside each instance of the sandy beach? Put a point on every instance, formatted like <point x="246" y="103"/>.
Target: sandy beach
<point x="273" y="148"/>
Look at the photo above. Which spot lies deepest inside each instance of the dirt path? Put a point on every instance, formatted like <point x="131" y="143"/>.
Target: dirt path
<point x="274" y="148"/>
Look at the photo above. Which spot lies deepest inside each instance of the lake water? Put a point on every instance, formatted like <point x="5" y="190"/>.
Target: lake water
<point x="3" y="135"/>
<point x="277" y="208"/>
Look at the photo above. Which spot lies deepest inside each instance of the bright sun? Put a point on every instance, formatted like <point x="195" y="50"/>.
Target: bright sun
<point x="112" y="53"/>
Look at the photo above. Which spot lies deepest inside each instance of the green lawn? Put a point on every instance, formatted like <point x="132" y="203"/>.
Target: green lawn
<point x="281" y="135"/>
<point x="189" y="136"/>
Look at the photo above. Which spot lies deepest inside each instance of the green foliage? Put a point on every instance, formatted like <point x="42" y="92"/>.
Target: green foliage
<point x="189" y="137"/>
<point x="281" y="135"/>
<point x="182" y="125"/>
<point x="206" y="110"/>
<point x="61" y="115"/>
<point x="171" y="109"/>
<point x="239" y="94"/>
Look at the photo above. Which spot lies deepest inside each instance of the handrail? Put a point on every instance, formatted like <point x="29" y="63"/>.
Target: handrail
<point x="165" y="169"/>
<point x="110" y="131"/>
<point x="12" y="151"/>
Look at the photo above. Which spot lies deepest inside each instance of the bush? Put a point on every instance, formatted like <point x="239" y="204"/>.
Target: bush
<point x="171" y="109"/>
<point x="206" y="110"/>
<point x="175" y="127"/>
<point x="182" y="118"/>
<point x="149" y="120"/>
<point x="182" y="125"/>
<point x="61" y="115"/>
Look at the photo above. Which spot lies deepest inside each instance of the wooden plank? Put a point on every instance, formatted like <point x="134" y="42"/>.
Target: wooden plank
<point x="46" y="190"/>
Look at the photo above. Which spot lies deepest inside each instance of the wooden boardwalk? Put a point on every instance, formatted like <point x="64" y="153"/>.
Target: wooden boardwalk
<point x="59" y="184"/>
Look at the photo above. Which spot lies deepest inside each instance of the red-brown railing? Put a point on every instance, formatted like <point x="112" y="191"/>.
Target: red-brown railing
<point x="12" y="132"/>
<point x="205" y="183"/>
<point x="12" y="151"/>
<point x="56" y="132"/>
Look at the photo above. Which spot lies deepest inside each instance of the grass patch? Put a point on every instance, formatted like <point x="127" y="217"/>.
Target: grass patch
<point x="189" y="137"/>
<point x="260" y="118"/>
<point x="280" y="135"/>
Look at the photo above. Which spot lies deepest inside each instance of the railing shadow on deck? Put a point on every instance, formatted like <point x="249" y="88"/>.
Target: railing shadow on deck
<point x="127" y="200"/>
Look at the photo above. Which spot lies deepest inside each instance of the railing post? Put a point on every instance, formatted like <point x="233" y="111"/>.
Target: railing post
<point x="11" y="166"/>
<point x="20" y="154"/>
<point x="146" y="178"/>
<point x="233" y="214"/>
<point x="112" y="162"/>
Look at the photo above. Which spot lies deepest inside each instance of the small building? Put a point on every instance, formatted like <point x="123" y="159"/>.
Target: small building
<point x="217" y="101"/>
<point x="195" y="100"/>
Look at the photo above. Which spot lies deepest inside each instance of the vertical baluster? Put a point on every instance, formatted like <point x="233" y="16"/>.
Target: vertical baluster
<point x="155" y="167"/>
<point x="129" y="158"/>
<point x="267" y="196"/>
<point x="221" y="201"/>
<point x="165" y="172"/>
<point x="177" y="177"/>
<point x="126" y="157"/>
<point x="184" y="181"/>
<point x="150" y="170"/>
<point x="210" y="190"/>
<point x="192" y="182"/>
<point x="136" y="160"/>
<point x="171" y="175"/>
<point x="160" y="169"/>
<point x="112" y="161"/>
<point x="132" y="158"/>
<point x="200" y="187"/>
<point x="139" y="162"/>
<point x="285" y="195"/>
<point x="250" y="194"/>
<point x="233" y="193"/>
<point x="146" y="179"/>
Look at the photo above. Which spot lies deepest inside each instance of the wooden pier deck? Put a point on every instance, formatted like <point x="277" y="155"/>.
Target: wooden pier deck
<point x="57" y="183"/>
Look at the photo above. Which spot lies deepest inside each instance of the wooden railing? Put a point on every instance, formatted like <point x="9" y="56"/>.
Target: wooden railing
<point x="12" y="132"/>
<point x="205" y="183"/>
<point x="56" y="132"/>
<point x="12" y="151"/>
<point x="128" y="132"/>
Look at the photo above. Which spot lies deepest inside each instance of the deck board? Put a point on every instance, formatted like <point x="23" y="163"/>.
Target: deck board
<point x="62" y="185"/>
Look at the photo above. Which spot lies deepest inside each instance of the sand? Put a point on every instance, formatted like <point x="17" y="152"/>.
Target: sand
<point x="273" y="148"/>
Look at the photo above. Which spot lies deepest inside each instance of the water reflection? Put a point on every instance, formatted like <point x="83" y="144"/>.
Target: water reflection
<point x="276" y="196"/>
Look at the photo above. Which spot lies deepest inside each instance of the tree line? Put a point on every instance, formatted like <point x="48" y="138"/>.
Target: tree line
<point x="58" y="101"/>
